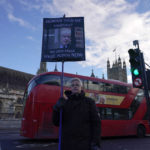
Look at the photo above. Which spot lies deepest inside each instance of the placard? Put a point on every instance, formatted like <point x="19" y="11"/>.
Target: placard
<point x="63" y="39"/>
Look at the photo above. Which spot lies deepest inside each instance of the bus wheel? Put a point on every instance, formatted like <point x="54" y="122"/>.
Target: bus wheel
<point x="141" y="131"/>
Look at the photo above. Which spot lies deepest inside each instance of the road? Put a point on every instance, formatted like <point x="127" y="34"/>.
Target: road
<point x="10" y="140"/>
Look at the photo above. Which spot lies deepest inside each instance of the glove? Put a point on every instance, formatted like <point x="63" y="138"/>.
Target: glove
<point x="60" y="103"/>
<point x="94" y="146"/>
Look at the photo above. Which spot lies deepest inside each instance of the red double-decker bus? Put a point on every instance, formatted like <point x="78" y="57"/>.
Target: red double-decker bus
<point x="122" y="108"/>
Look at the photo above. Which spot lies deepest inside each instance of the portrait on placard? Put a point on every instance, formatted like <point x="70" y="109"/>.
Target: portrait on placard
<point x="59" y="38"/>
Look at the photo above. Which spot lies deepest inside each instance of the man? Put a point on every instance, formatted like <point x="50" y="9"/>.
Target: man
<point x="80" y="119"/>
<point x="65" y="38"/>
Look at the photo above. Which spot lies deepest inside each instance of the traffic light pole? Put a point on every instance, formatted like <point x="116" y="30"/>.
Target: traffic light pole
<point x="146" y="93"/>
<point x="143" y="77"/>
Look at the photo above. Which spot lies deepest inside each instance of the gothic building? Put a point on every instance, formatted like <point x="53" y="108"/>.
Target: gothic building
<point x="118" y="70"/>
<point x="12" y="86"/>
<point x="43" y="68"/>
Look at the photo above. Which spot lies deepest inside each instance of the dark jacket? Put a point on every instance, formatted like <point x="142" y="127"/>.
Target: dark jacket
<point x="80" y="122"/>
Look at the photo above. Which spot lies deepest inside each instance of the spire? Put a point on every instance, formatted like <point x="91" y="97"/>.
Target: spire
<point x="124" y="64"/>
<point x="56" y="70"/>
<point x="113" y="64"/>
<point x="92" y="74"/>
<point x="108" y="63"/>
<point x="119" y="61"/>
<point x="103" y="76"/>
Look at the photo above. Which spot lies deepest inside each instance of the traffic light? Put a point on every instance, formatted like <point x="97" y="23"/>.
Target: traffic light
<point x="136" y="67"/>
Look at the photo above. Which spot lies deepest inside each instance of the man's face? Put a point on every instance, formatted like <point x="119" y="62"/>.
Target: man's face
<point x="65" y="38"/>
<point x="75" y="87"/>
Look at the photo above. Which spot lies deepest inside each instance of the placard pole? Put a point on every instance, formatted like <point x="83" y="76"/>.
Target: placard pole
<point x="60" y="121"/>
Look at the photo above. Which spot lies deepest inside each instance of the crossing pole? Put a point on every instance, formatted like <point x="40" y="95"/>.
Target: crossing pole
<point x="144" y="79"/>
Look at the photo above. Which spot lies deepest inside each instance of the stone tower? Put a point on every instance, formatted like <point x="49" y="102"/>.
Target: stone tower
<point x="43" y="68"/>
<point x="117" y="71"/>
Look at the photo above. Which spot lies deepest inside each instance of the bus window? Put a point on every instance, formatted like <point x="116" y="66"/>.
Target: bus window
<point x="93" y="85"/>
<point x="120" y="89"/>
<point x="85" y="84"/>
<point x="46" y="79"/>
<point x="114" y="113"/>
<point x="120" y="114"/>
<point x="114" y="88"/>
<point x="31" y="86"/>
<point x="101" y="86"/>
<point x="49" y="79"/>
<point x="106" y="113"/>
<point x="66" y="81"/>
<point x="140" y="95"/>
<point x="107" y="87"/>
<point x="136" y="102"/>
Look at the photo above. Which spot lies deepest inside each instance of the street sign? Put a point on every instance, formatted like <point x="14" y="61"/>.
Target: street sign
<point x="137" y="82"/>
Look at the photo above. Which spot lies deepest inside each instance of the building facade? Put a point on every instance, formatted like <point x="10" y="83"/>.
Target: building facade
<point x="12" y="86"/>
<point x="118" y="70"/>
<point x="43" y="68"/>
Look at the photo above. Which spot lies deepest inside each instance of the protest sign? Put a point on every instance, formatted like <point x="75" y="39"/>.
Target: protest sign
<point x="63" y="39"/>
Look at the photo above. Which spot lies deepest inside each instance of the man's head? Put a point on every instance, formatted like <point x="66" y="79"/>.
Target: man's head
<point x="65" y="36"/>
<point x="76" y="85"/>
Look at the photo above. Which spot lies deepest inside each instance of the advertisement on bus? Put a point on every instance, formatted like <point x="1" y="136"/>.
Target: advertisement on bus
<point x="106" y="99"/>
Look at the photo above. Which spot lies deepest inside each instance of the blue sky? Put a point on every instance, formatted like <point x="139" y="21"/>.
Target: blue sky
<point x="109" y="25"/>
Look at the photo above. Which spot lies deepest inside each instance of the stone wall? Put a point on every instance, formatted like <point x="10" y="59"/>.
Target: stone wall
<point x="12" y="86"/>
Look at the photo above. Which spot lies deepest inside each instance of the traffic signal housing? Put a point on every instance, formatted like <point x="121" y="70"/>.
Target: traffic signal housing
<point x="136" y="67"/>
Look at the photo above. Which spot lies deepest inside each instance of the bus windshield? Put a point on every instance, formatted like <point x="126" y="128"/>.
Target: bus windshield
<point x="45" y="79"/>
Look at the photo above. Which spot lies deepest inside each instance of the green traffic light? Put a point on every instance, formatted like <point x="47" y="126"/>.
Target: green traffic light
<point x="136" y="72"/>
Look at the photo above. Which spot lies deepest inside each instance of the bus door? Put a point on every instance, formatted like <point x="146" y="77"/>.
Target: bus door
<point x="46" y="127"/>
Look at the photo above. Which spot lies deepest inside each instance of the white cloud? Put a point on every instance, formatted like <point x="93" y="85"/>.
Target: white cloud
<point x="9" y="8"/>
<point x="29" y="5"/>
<point x="109" y="24"/>
<point x="20" y="21"/>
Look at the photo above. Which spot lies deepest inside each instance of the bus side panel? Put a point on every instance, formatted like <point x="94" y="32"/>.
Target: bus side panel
<point x="119" y="127"/>
<point x="30" y="118"/>
<point x="35" y="120"/>
<point x="47" y="94"/>
<point x="46" y="127"/>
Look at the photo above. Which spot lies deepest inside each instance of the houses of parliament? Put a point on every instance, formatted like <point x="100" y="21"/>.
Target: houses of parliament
<point x="13" y="84"/>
